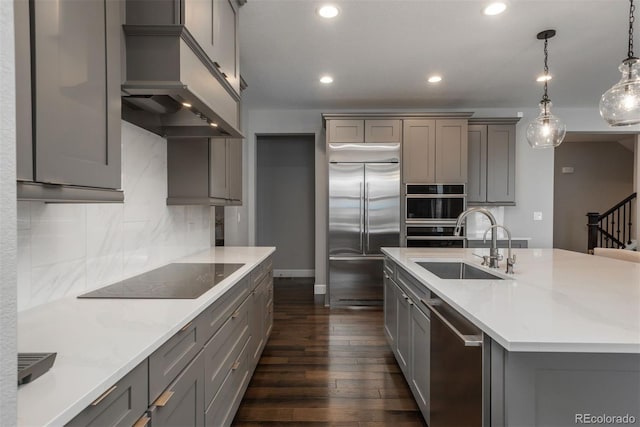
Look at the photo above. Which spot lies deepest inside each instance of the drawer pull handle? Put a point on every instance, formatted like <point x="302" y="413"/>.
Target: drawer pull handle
<point x="235" y="314"/>
<point x="405" y="296"/>
<point x="142" y="422"/>
<point x="185" y="327"/>
<point x="236" y="365"/>
<point x="103" y="396"/>
<point x="163" y="399"/>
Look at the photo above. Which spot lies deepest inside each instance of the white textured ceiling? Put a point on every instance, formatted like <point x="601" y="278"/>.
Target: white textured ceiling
<point x="380" y="53"/>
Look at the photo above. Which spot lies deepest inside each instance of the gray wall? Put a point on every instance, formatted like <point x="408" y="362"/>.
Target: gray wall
<point x="603" y="175"/>
<point x="285" y="191"/>
<point x="7" y="218"/>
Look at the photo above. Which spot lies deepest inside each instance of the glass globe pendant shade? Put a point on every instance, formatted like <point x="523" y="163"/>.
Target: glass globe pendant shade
<point x="620" y="105"/>
<point x="546" y="131"/>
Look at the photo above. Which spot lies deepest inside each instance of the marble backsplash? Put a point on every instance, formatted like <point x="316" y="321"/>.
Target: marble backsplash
<point x="67" y="249"/>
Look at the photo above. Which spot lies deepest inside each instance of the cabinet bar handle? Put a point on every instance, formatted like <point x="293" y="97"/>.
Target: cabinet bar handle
<point x="185" y="327"/>
<point x="163" y="399"/>
<point x="103" y="396"/>
<point x="235" y="314"/>
<point x="142" y="422"/>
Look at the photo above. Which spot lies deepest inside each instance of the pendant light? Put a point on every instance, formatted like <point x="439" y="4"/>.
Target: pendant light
<point x="620" y="105"/>
<point x="546" y="131"/>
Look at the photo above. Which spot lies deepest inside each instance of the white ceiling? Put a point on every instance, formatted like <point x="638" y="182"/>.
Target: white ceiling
<point x="380" y="53"/>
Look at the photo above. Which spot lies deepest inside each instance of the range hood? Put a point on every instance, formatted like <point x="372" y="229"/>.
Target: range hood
<point x="173" y="89"/>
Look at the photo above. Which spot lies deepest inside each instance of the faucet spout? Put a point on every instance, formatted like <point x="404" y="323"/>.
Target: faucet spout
<point x="494" y="238"/>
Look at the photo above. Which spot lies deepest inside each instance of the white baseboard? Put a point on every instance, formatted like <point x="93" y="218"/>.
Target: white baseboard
<point x="319" y="289"/>
<point x="294" y="273"/>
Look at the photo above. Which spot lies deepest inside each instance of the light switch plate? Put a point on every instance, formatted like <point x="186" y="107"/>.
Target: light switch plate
<point x="537" y="216"/>
<point x="567" y="169"/>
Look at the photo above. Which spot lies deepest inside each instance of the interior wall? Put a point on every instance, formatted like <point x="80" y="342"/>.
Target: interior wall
<point x="68" y="249"/>
<point x="285" y="202"/>
<point x="602" y="176"/>
<point x="8" y="312"/>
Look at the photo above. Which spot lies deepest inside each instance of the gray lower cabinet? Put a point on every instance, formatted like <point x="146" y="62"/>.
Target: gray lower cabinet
<point x="492" y="162"/>
<point x="69" y="100"/>
<point x="121" y="405"/>
<point x="519" y="244"/>
<point x="407" y="328"/>
<point x="204" y="171"/>
<point x="434" y="151"/>
<point x="182" y="403"/>
<point x="199" y="375"/>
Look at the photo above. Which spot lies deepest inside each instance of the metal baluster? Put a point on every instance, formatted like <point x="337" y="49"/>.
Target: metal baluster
<point x="618" y="230"/>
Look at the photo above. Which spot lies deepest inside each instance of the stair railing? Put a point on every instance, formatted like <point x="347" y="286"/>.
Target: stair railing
<point x="611" y="229"/>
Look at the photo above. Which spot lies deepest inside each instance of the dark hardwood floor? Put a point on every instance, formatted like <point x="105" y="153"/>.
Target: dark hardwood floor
<point x="326" y="367"/>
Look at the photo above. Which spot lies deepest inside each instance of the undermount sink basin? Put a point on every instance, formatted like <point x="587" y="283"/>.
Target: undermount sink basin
<point x="457" y="270"/>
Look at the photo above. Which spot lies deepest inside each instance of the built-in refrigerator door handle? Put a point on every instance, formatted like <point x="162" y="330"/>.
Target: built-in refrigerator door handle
<point x="366" y="199"/>
<point x="361" y="204"/>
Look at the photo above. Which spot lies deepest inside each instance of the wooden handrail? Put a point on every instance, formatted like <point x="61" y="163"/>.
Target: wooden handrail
<point x="618" y="206"/>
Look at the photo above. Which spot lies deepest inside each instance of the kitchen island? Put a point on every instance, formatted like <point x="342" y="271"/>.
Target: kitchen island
<point x="101" y="342"/>
<point x="560" y="338"/>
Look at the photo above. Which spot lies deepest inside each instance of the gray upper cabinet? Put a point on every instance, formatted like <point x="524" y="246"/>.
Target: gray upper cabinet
<point x="361" y="130"/>
<point x="73" y="111"/>
<point x="203" y="171"/>
<point x="434" y="151"/>
<point x="492" y="162"/>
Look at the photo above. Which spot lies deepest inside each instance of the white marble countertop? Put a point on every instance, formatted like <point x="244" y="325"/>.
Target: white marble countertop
<point x="98" y="341"/>
<point x="557" y="300"/>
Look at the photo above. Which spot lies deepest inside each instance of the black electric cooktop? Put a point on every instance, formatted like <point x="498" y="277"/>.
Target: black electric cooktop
<point x="178" y="281"/>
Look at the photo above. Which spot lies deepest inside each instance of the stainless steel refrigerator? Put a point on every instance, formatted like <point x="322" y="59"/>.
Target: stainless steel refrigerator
<point x="364" y="215"/>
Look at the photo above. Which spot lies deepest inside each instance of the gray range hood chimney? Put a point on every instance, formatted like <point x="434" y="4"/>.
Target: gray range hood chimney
<point x="173" y="89"/>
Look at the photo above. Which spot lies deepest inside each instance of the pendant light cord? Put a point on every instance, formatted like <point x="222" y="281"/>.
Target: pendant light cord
<point x="545" y="97"/>
<point x="632" y="9"/>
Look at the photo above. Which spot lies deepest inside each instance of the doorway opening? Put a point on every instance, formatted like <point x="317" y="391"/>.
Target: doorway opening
<point x="285" y="202"/>
<point x="592" y="173"/>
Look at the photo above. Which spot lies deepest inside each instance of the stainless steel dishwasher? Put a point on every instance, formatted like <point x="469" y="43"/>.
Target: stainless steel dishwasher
<point x="456" y="372"/>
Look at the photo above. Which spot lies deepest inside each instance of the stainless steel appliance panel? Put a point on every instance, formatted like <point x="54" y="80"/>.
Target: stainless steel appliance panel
<point x="364" y="153"/>
<point x="355" y="282"/>
<point x="346" y="209"/>
<point x="382" y="206"/>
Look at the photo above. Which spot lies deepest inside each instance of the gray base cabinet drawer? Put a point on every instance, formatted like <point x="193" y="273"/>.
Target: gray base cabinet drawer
<point x="411" y="286"/>
<point x="221" y="354"/>
<point x="121" y="405"/>
<point x="225" y="403"/>
<point x="259" y="273"/>
<point x="172" y="357"/>
<point x="212" y="318"/>
<point x="182" y="403"/>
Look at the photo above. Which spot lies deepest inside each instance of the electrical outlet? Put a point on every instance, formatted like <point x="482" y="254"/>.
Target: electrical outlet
<point x="567" y="169"/>
<point x="520" y="114"/>
<point x="537" y="216"/>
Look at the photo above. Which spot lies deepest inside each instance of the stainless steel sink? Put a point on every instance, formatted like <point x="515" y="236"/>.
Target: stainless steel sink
<point x="457" y="270"/>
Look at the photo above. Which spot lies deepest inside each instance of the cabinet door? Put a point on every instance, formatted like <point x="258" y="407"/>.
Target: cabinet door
<point x="345" y="131"/>
<point x="419" y="359"/>
<point x="404" y="332"/>
<point x="419" y="151"/>
<point x="235" y="169"/>
<point x="451" y="151"/>
<point x="477" y="164"/>
<point x="390" y="311"/>
<point x="182" y="403"/>
<point x="501" y="163"/>
<point x="76" y="89"/>
<point x="382" y="131"/>
<point x="256" y="325"/>
<point x="218" y="178"/>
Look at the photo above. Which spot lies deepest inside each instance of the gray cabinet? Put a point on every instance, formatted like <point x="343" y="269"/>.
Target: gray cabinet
<point x="182" y="403"/>
<point x="204" y="171"/>
<point x="419" y="358"/>
<point x="434" y="151"/>
<point x="521" y="244"/>
<point x="492" y="162"/>
<point x="364" y="130"/>
<point x="390" y="311"/>
<point x="70" y="133"/>
<point x="403" y="346"/>
<point x="121" y="405"/>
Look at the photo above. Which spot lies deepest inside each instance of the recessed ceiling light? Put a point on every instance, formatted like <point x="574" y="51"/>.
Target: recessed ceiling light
<point x="494" y="8"/>
<point x="434" y="79"/>
<point x="328" y="11"/>
<point x="326" y="79"/>
<point x="186" y="104"/>
<point x="544" y="78"/>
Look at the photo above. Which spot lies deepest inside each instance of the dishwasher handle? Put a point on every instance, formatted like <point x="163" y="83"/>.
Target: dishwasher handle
<point x="469" y="340"/>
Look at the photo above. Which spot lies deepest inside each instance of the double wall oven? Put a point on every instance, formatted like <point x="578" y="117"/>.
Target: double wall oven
<point x="431" y="211"/>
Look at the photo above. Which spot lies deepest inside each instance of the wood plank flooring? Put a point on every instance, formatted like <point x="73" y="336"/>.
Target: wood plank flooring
<point x="326" y="367"/>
